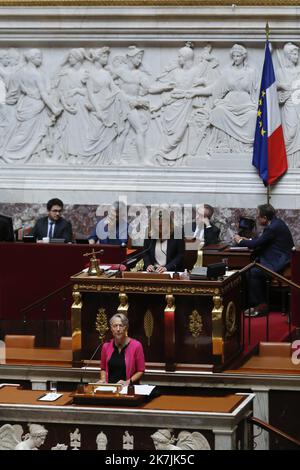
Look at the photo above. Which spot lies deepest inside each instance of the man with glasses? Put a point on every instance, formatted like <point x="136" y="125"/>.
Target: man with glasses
<point x="53" y="225"/>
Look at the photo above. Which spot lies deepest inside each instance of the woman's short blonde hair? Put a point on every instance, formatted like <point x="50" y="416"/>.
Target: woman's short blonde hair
<point x="121" y="317"/>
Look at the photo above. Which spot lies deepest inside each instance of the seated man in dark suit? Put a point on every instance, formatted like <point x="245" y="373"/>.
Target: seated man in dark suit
<point x="275" y="246"/>
<point x="53" y="225"/>
<point x="165" y="253"/>
<point x="203" y="228"/>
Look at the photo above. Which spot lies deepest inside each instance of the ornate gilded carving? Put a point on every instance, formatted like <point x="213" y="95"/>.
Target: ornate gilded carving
<point x="217" y="327"/>
<point x="170" y="299"/>
<point x="77" y="300"/>
<point x="101" y="324"/>
<point x="76" y="322"/>
<point x="218" y="308"/>
<point x="123" y="307"/>
<point x="195" y="323"/>
<point x="230" y="319"/>
<point x="138" y="267"/>
<point x="148" y="325"/>
<point x="151" y="289"/>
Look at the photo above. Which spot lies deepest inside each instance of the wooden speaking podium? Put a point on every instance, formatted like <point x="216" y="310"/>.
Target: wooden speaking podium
<point x="182" y="324"/>
<point x="106" y="394"/>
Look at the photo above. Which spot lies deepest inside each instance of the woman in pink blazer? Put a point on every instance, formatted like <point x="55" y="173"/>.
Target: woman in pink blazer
<point x="122" y="358"/>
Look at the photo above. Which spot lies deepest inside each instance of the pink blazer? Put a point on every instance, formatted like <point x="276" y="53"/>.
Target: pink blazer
<point x="134" y="357"/>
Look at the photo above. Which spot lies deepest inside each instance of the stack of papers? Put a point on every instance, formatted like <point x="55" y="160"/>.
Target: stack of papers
<point x="139" y="390"/>
<point x="105" y="388"/>
<point x="51" y="396"/>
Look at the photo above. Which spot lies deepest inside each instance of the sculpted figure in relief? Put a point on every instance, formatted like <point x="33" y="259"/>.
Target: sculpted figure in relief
<point x="12" y="438"/>
<point x="233" y="116"/>
<point x="136" y="82"/>
<point x="34" y="108"/>
<point x="9" y="65"/>
<point x="177" y="108"/>
<point x="71" y="131"/>
<point x="164" y="439"/>
<point x="101" y="441"/>
<point x="34" y="439"/>
<point x="108" y="110"/>
<point x="288" y="83"/>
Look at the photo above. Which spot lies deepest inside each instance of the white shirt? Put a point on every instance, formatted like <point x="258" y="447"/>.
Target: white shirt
<point x="51" y="225"/>
<point x="161" y="252"/>
<point x="199" y="232"/>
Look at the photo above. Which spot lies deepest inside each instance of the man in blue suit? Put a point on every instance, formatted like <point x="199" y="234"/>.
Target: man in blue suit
<point x="275" y="245"/>
<point x="53" y="225"/>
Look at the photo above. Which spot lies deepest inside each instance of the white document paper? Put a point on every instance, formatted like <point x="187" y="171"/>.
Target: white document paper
<point x="139" y="390"/>
<point x="229" y="273"/>
<point x="103" y="388"/>
<point x="51" y="396"/>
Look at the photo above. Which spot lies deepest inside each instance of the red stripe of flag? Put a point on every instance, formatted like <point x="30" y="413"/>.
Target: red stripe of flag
<point x="277" y="160"/>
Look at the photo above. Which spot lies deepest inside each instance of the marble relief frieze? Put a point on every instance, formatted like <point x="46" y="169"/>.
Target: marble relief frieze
<point x="188" y="105"/>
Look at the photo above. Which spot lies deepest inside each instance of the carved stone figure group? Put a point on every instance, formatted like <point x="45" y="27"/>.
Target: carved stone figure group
<point x="12" y="437"/>
<point x="104" y="108"/>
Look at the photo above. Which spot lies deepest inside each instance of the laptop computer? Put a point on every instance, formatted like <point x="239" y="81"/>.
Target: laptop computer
<point x="198" y="273"/>
<point x="82" y="241"/>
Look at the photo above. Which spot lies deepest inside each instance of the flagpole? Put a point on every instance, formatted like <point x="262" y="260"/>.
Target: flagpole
<point x="267" y="30"/>
<point x="268" y="194"/>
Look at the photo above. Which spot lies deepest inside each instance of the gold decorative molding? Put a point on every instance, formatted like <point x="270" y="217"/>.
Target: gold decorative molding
<point x="148" y="325"/>
<point x="157" y="289"/>
<point x="195" y="323"/>
<point x="101" y="324"/>
<point x="230" y="319"/>
<point x="146" y="3"/>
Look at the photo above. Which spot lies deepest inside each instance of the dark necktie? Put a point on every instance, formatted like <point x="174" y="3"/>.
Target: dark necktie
<point x="51" y="229"/>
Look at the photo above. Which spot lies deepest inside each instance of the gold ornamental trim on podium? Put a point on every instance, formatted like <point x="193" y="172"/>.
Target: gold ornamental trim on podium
<point x="146" y="3"/>
<point x="217" y="327"/>
<point x="195" y="324"/>
<point x="101" y="324"/>
<point x="76" y="310"/>
<point x="148" y="326"/>
<point x="126" y="288"/>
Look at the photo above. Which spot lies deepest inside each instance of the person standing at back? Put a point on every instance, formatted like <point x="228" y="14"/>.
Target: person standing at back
<point x="274" y="247"/>
<point x="53" y="225"/>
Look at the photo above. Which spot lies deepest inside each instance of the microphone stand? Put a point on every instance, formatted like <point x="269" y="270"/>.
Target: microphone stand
<point x="135" y="257"/>
<point x="80" y="387"/>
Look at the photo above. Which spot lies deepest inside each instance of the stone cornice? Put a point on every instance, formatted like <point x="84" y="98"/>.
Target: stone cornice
<point x="151" y="3"/>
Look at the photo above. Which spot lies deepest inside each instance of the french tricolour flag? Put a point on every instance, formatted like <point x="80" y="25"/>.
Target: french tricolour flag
<point x="269" y="155"/>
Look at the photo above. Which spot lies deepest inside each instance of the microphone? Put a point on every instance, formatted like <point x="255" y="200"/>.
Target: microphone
<point x="80" y="387"/>
<point x="135" y="257"/>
